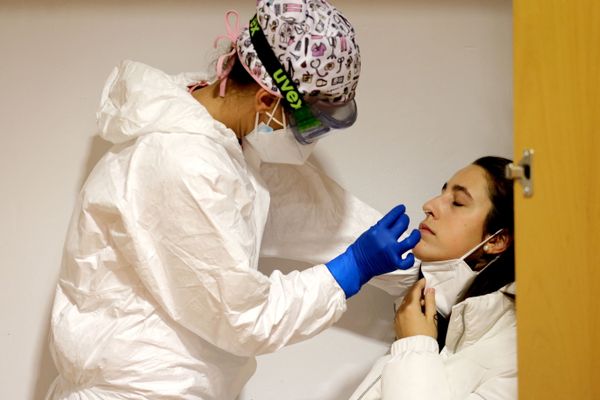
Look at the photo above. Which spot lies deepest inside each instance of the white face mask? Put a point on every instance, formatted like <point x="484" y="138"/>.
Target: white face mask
<point x="277" y="146"/>
<point x="451" y="278"/>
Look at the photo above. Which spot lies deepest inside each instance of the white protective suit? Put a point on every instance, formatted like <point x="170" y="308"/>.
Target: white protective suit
<point x="159" y="296"/>
<point x="479" y="360"/>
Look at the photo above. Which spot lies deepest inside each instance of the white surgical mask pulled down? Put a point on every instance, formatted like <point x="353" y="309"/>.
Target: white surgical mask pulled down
<point x="451" y="278"/>
<point x="277" y="145"/>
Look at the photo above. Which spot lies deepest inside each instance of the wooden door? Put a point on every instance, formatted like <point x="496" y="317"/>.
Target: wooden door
<point x="557" y="113"/>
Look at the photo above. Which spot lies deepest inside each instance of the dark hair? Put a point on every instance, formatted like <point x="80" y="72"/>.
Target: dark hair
<point x="239" y="74"/>
<point x="501" y="194"/>
<point x="501" y="271"/>
<point x="501" y="216"/>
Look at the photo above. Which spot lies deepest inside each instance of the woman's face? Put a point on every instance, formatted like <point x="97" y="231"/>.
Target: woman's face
<point x="454" y="220"/>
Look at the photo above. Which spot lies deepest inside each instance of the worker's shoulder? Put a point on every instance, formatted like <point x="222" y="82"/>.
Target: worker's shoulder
<point x="184" y="154"/>
<point x="176" y="146"/>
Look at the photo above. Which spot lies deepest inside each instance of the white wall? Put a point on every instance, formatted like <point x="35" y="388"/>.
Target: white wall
<point x="435" y="93"/>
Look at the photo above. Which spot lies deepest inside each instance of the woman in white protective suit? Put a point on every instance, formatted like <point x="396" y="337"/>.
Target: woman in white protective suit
<point x="467" y="260"/>
<point x="159" y="296"/>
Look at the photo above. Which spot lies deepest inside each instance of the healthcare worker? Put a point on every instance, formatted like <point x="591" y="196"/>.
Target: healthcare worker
<point x="159" y="296"/>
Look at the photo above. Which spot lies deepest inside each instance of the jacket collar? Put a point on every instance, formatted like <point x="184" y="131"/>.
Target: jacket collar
<point x="472" y="318"/>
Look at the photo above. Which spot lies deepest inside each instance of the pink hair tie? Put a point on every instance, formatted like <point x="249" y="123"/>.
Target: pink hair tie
<point x="226" y="61"/>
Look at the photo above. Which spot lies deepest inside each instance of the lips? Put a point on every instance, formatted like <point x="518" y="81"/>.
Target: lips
<point x="425" y="229"/>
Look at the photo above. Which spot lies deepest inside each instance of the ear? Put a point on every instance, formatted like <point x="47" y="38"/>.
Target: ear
<point x="498" y="244"/>
<point x="263" y="100"/>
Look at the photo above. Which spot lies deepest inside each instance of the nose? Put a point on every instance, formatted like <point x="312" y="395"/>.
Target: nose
<point x="431" y="208"/>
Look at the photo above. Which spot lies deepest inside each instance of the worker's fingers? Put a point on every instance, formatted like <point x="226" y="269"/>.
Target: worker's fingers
<point x="406" y="262"/>
<point x="391" y="217"/>
<point x="405" y="245"/>
<point x="398" y="227"/>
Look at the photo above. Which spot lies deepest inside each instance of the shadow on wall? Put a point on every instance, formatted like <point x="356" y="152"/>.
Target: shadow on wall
<point x="97" y="148"/>
<point x="46" y="371"/>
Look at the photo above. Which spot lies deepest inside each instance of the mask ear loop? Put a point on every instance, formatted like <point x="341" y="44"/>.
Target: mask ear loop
<point x="468" y="253"/>
<point x="272" y="115"/>
<point x="481" y="244"/>
<point x="488" y="264"/>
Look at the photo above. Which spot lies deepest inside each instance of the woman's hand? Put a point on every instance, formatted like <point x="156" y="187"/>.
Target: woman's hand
<point x="417" y="313"/>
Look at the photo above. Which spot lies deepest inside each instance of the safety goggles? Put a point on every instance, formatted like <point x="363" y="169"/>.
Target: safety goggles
<point x="329" y="116"/>
<point x="309" y="120"/>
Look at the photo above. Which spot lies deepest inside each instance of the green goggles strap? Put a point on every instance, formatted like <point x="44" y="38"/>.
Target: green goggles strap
<point x="292" y="99"/>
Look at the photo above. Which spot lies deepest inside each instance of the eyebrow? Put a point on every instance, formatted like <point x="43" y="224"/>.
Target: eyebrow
<point x="458" y="188"/>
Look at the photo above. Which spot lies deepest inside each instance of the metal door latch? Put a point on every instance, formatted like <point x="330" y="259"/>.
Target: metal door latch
<point x="523" y="172"/>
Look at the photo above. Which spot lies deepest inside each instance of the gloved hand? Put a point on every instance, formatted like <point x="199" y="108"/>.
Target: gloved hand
<point x="375" y="252"/>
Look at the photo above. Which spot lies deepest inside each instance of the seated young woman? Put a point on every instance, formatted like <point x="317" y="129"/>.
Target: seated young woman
<point x="456" y="327"/>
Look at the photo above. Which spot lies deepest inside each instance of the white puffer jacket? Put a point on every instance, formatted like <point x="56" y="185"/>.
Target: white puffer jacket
<point x="479" y="360"/>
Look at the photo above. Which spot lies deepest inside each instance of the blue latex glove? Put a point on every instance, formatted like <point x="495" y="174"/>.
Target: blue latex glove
<point x="375" y="252"/>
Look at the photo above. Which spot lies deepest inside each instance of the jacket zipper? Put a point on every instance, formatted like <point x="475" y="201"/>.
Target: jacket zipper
<point x="369" y="388"/>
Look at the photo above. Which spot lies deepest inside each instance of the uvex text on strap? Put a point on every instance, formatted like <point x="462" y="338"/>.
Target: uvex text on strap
<point x="305" y="121"/>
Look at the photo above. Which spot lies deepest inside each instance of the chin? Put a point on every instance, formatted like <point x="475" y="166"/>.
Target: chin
<point x="421" y="253"/>
<point x="426" y="253"/>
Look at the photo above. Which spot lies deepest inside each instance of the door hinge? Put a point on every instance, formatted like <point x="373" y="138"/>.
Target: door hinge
<point x="523" y="172"/>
